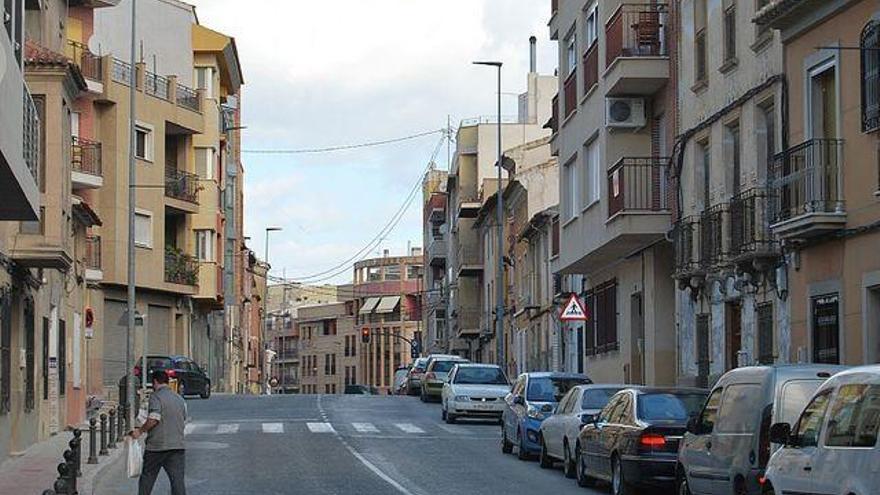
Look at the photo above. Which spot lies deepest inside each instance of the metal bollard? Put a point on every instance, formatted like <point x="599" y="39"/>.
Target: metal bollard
<point x="76" y="447"/>
<point x="103" y="435"/>
<point x="69" y="458"/>
<point x="93" y="447"/>
<point x="111" y="430"/>
<point x="120" y="427"/>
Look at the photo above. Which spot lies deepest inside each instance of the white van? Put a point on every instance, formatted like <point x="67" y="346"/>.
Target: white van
<point x="832" y="447"/>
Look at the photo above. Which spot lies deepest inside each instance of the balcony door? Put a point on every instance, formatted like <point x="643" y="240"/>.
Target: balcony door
<point x="823" y="166"/>
<point x="823" y="102"/>
<point x="733" y="334"/>
<point x="826" y="329"/>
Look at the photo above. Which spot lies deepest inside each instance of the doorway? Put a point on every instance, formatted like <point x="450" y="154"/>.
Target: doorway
<point x="637" y="323"/>
<point x="733" y="334"/>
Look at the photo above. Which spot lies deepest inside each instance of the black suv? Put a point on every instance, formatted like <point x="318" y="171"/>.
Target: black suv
<point x="191" y="379"/>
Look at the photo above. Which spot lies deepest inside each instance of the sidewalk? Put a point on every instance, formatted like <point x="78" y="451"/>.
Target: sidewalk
<point x="37" y="469"/>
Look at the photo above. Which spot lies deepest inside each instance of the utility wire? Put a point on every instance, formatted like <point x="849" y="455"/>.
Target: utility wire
<point x="343" y="147"/>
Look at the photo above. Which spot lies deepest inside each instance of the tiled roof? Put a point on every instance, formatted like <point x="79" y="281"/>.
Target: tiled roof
<point x="36" y="54"/>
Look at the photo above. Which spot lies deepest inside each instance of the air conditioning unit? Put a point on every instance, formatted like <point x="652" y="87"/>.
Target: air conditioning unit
<point x="624" y="112"/>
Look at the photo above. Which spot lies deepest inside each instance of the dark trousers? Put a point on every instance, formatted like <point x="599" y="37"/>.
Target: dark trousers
<point x="172" y="461"/>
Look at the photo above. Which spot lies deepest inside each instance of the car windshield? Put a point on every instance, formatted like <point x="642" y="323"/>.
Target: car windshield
<point x="669" y="406"/>
<point x="795" y="395"/>
<point x="480" y="376"/>
<point x="443" y="366"/>
<point x="597" y="398"/>
<point x="547" y="389"/>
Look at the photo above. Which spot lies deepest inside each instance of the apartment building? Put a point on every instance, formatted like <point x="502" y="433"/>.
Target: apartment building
<point x="824" y="179"/>
<point x="613" y="134"/>
<point x="327" y="348"/>
<point x="388" y="299"/>
<point x="472" y="179"/>
<point x="434" y="286"/>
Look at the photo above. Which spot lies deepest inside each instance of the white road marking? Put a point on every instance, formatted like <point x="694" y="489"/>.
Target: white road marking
<point x="365" y="427"/>
<point x="320" y="427"/>
<point x="227" y="429"/>
<point x="409" y="428"/>
<point x="188" y="429"/>
<point x="273" y="427"/>
<point x="453" y="429"/>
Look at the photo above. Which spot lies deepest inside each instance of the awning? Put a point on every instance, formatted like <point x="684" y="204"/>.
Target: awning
<point x="388" y="304"/>
<point x="369" y="305"/>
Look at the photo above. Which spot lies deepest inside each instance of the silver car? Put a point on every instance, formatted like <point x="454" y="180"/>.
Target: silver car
<point x="474" y="390"/>
<point x="559" y="433"/>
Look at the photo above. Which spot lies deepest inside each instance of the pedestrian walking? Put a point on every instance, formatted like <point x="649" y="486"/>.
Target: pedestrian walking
<point x="164" y="447"/>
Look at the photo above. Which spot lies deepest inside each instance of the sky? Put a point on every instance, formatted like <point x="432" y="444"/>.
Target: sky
<point x="328" y="73"/>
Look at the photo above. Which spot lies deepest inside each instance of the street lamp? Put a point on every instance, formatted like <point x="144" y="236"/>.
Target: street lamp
<point x="499" y="206"/>
<point x="265" y="312"/>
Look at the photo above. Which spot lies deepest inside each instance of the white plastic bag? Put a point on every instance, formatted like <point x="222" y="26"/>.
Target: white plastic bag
<point x="135" y="448"/>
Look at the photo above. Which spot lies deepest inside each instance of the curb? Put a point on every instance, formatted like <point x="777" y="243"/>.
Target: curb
<point x="88" y="483"/>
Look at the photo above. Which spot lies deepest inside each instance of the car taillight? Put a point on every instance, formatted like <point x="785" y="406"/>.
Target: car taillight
<point x="652" y="440"/>
<point x="171" y="373"/>
<point x="430" y="376"/>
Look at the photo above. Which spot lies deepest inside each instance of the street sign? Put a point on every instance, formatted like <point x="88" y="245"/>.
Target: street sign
<point x="574" y="310"/>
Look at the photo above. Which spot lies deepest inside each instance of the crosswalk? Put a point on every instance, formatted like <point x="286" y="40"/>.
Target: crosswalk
<point x="324" y="427"/>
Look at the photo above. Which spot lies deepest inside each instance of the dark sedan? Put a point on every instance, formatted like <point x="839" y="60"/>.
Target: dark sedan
<point x="634" y="441"/>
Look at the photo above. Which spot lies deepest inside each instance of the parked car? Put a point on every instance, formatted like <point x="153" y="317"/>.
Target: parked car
<point x="191" y="378"/>
<point x="727" y="447"/>
<point x="399" y="386"/>
<point x="435" y="374"/>
<point x="474" y="390"/>
<point x="832" y="447"/>
<point x="360" y="390"/>
<point x="559" y="433"/>
<point x="532" y="400"/>
<point x="634" y="441"/>
<point x="414" y="377"/>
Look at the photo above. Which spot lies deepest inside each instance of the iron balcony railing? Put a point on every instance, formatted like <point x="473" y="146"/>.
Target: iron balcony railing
<point x="686" y="238"/>
<point x="188" y="98"/>
<point x="85" y="156"/>
<point x="638" y="184"/>
<point x="93" y="252"/>
<point x="181" y="268"/>
<point x="712" y="221"/>
<point x="89" y="64"/>
<point x="156" y="85"/>
<point x="122" y="72"/>
<point x="591" y="66"/>
<point x="807" y="179"/>
<point x="750" y="217"/>
<point x="636" y="30"/>
<point x="31" y="135"/>
<point x="182" y="185"/>
<point x="469" y="255"/>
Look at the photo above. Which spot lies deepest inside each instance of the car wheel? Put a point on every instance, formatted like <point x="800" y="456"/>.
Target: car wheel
<point x="583" y="479"/>
<point x="619" y="486"/>
<point x="206" y="393"/>
<point x="443" y="413"/>
<point x="683" y="488"/>
<point x="521" y="452"/>
<point x="545" y="461"/>
<point x="450" y="418"/>
<point x="568" y="467"/>
<point x="506" y="445"/>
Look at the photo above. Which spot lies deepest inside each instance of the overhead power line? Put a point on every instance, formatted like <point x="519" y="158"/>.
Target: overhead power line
<point x="343" y="147"/>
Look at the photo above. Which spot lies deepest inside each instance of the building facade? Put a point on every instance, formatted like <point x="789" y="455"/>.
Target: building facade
<point x="328" y="355"/>
<point x="435" y="239"/>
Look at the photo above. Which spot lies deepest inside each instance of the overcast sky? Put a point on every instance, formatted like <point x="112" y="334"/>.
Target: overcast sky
<point x="322" y="73"/>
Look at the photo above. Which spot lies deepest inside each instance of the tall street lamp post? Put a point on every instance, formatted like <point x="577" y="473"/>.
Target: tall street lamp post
<point x="499" y="206"/>
<point x="265" y="315"/>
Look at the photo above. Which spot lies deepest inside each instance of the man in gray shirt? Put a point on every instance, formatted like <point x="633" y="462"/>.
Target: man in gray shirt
<point x="166" y="416"/>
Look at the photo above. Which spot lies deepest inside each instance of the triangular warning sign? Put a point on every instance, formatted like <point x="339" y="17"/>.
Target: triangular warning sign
<point x="574" y="310"/>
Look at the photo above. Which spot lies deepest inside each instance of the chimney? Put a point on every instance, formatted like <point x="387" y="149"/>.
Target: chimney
<point x="533" y="55"/>
<point x="385" y="253"/>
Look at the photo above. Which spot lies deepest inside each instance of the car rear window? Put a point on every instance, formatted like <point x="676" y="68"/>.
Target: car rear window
<point x="480" y="376"/>
<point x="158" y="362"/>
<point x="443" y="366"/>
<point x="795" y="395"/>
<point x="668" y="406"/>
<point x="597" y="398"/>
<point x="547" y="389"/>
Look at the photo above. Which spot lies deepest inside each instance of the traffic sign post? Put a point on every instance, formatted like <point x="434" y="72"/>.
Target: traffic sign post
<point x="574" y="310"/>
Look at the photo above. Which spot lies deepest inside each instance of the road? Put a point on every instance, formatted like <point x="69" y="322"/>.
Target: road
<point x="338" y="444"/>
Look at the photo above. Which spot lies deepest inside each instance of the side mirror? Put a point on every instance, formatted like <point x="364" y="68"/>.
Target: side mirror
<point x="518" y="400"/>
<point x="587" y="418"/>
<point x="693" y="425"/>
<point x="780" y="433"/>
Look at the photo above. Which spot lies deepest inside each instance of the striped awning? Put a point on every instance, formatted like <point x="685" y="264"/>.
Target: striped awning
<point x="388" y="304"/>
<point x="369" y="305"/>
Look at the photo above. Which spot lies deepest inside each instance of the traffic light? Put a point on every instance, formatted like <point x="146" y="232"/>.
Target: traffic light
<point x="365" y="335"/>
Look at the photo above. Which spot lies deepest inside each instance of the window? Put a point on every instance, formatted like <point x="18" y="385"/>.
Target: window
<point x="591" y="177"/>
<point x="570" y="196"/>
<point x="413" y="272"/>
<point x="392" y="272"/>
<point x="854" y="417"/>
<point x="143" y="229"/>
<point x="737" y="406"/>
<point x="597" y="398"/>
<point x="710" y="411"/>
<point x="571" y="54"/>
<point x="826" y="335"/>
<point x="206" y="163"/>
<point x="704" y="155"/>
<point x="729" y="22"/>
<point x="328" y="327"/>
<point x="823" y="108"/>
<point x="554" y="239"/>
<point x="809" y="425"/>
<point x="765" y="333"/>
<point x="732" y="158"/>
<point x="205" y="80"/>
<point x="374" y="274"/>
<point x="205" y="245"/>
<point x="870" y="44"/>
<point x="591" y="24"/>
<point x="143" y="148"/>
<point x="766" y="137"/>
<point x="604" y="307"/>
<point x="701" y="54"/>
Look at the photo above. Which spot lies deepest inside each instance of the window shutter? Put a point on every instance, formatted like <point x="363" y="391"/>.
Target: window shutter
<point x="870" y="77"/>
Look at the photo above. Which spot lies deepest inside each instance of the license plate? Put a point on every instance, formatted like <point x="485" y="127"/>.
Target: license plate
<point x="483" y="407"/>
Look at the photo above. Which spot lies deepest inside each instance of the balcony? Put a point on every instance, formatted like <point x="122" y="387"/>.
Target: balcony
<point x="437" y="252"/>
<point x="121" y="72"/>
<point x="188" y="98"/>
<point x="19" y="180"/>
<point x="636" y="50"/>
<point x="686" y="242"/>
<point x="85" y="163"/>
<point x="470" y="261"/>
<point x="182" y="189"/>
<point x="591" y="67"/>
<point x="807" y="189"/>
<point x="438" y="215"/>
<point x="94" y="269"/>
<point x="554" y="116"/>
<point x="91" y="65"/>
<point x="181" y="268"/>
<point x="467" y="322"/>
<point x="156" y="85"/>
<point x="469" y="207"/>
<point x="570" y="94"/>
<point x="638" y="185"/>
<point x="712" y="252"/>
<point x="210" y="284"/>
<point x="752" y="244"/>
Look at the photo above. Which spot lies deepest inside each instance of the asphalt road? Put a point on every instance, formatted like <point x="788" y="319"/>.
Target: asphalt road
<point x="337" y="444"/>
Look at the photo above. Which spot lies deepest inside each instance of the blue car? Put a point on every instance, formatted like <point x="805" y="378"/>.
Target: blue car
<point x="533" y="399"/>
